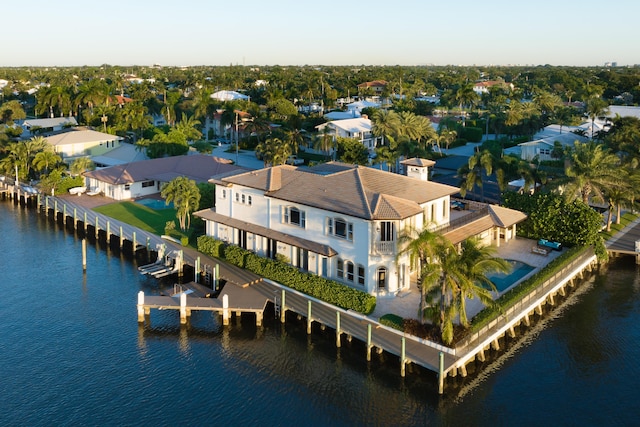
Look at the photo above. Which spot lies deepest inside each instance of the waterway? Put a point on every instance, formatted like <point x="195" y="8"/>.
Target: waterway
<point x="72" y="353"/>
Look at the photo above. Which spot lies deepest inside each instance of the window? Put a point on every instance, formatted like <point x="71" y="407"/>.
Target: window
<point x="223" y="194"/>
<point x="148" y="184"/>
<point x="249" y="201"/>
<point x="340" y="268"/>
<point x="127" y="186"/>
<point x="237" y="197"/>
<point x="361" y="274"/>
<point x="340" y="228"/>
<point x="349" y="271"/>
<point x="295" y="216"/>
<point x="386" y="231"/>
<point x="243" y="199"/>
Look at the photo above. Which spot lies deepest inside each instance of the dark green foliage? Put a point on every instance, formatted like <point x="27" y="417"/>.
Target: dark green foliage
<point x="352" y="151"/>
<point x="469" y="133"/>
<point x="393" y="321"/>
<point x="287" y="275"/>
<point x="206" y="195"/>
<point x="551" y="217"/>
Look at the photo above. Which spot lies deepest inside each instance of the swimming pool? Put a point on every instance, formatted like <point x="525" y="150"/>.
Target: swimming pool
<point x="505" y="281"/>
<point x="155" y="204"/>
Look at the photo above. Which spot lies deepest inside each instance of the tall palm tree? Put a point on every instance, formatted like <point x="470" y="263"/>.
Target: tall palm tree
<point x="324" y="142"/>
<point x="592" y="171"/>
<point x="44" y="159"/>
<point x="385" y="125"/>
<point x="188" y="127"/>
<point x="80" y="165"/>
<point x="184" y="194"/>
<point x="456" y="276"/>
<point x="480" y="161"/>
<point x="466" y="96"/>
<point x="596" y="107"/>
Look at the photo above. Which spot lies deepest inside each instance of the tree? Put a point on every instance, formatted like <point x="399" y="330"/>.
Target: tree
<point x="43" y="160"/>
<point x="188" y="127"/>
<point x="352" y="151"/>
<point x="80" y="165"/>
<point x="10" y="111"/>
<point x="324" y="142"/>
<point x="595" y="108"/>
<point x="385" y="125"/>
<point x="480" y="161"/>
<point x="592" y="171"/>
<point x="184" y="194"/>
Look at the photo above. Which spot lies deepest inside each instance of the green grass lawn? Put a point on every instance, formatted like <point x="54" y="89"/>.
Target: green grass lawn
<point x="139" y="216"/>
<point x="624" y="221"/>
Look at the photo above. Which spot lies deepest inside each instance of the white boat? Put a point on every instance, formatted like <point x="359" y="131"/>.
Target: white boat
<point x="77" y="190"/>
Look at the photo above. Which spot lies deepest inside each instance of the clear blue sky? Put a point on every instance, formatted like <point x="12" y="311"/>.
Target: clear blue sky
<point x="330" y="32"/>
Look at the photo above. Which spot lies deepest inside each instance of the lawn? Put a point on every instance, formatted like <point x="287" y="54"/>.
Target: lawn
<point x="139" y="216"/>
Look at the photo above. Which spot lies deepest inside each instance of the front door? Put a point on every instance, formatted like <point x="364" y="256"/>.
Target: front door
<point x="382" y="279"/>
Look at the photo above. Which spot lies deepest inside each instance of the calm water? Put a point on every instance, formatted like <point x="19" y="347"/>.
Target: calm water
<point x="72" y="354"/>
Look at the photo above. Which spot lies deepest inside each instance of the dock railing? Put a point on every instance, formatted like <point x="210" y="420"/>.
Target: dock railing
<point x="524" y="304"/>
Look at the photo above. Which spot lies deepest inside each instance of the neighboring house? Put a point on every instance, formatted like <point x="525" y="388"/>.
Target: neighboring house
<point x="543" y="142"/>
<point x="125" y="153"/>
<point x="358" y="128"/>
<point x="228" y="130"/>
<point x="623" y="111"/>
<point x="483" y="87"/>
<point x="342" y="221"/>
<point x="137" y="179"/>
<point x="33" y="126"/>
<point x="228" y="95"/>
<point x="157" y="120"/>
<point x="83" y="142"/>
<point x="376" y="87"/>
<point x="356" y="107"/>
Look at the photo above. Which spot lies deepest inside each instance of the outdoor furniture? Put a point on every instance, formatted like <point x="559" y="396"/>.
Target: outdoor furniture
<point x="556" y="246"/>
<point x="540" y="250"/>
<point x="459" y="206"/>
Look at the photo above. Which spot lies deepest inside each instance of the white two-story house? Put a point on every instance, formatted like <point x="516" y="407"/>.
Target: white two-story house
<point x="335" y="220"/>
<point x="358" y="128"/>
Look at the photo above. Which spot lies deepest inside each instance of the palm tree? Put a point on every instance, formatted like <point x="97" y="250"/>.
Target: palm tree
<point x="421" y="246"/>
<point x="472" y="176"/>
<point x="81" y="164"/>
<point x="456" y="276"/>
<point x="44" y="159"/>
<point x="595" y="108"/>
<point x="188" y="127"/>
<point x="466" y="96"/>
<point x="592" y="171"/>
<point x="324" y="142"/>
<point x="184" y="194"/>
<point x="385" y="125"/>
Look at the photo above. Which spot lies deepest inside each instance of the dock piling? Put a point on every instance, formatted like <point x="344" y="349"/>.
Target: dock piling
<point x="338" y="329"/>
<point x="140" y="306"/>
<point x="84" y="255"/>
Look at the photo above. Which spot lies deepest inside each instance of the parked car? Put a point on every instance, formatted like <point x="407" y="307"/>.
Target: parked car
<point x="294" y="160"/>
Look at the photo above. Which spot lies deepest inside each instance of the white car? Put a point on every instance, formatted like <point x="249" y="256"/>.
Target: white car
<point x="293" y="160"/>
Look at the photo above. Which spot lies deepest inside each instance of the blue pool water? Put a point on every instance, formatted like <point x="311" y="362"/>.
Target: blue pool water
<point x="155" y="204"/>
<point x="505" y="281"/>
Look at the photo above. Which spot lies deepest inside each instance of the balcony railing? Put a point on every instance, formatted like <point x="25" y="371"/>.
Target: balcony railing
<point x="386" y="248"/>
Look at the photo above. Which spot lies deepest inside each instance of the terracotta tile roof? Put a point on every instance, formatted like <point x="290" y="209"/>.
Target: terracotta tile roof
<point x="356" y="191"/>
<point x="198" y="167"/>
<point x="373" y="83"/>
<point x="211" y="215"/>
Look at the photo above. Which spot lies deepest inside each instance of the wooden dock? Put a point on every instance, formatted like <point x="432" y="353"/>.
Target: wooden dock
<point x="626" y="241"/>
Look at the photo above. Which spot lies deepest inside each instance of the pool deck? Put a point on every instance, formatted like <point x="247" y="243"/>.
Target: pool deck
<point x="406" y="303"/>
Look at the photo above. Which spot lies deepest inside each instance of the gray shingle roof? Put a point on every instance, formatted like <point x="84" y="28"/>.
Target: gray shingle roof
<point x="199" y="167"/>
<point x="356" y="191"/>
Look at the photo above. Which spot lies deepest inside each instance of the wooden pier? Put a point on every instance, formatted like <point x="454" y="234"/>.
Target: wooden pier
<point x="627" y="241"/>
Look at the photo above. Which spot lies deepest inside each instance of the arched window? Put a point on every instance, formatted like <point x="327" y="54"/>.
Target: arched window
<point x="361" y="275"/>
<point x="350" y="272"/>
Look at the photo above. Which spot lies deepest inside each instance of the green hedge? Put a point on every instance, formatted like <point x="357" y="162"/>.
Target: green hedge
<point x="319" y="287"/>
<point x="393" y="321"/>
<point x="516" y="294"/>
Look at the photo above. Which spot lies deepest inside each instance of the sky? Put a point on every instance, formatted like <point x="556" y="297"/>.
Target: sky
<point x="328" y="32"/>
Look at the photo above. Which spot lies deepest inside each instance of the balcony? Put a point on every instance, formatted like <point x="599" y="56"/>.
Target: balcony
<point x="386" y="248"/>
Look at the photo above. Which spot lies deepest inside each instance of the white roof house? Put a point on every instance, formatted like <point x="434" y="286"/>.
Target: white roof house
<point x="228" y="95"/>
<point x="82" y="143"/>
<point x="623" y="111"/>
<point x="544" y="140"/>
<point x="358" y="128"/>
<point x="52" y="124"/>
<point x="357" y="107"/>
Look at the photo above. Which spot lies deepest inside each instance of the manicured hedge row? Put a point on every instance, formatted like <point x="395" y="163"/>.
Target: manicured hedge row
<point x="514" y="295"/>
<point x="310" y="284"/>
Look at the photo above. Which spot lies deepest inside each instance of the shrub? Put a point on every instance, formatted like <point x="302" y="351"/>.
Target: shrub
<point x="319" y="287"/>
<point x="470" y="133"/>
<point x="393" y="321"/>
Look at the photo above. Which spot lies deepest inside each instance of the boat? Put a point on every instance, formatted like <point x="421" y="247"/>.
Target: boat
<point x="77" y="190"/>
